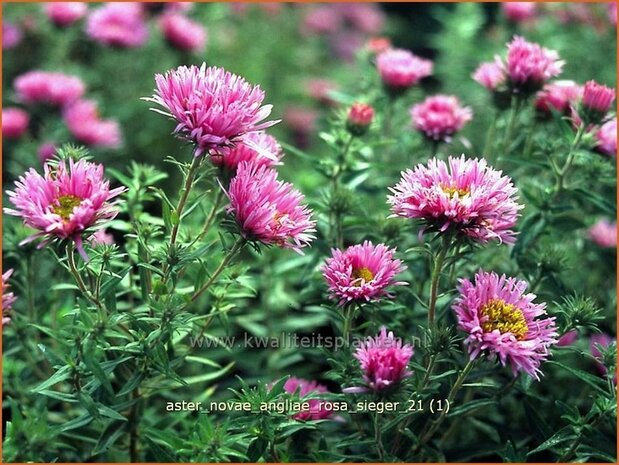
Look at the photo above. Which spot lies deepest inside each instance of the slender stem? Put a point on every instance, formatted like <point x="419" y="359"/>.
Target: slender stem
<point x="568" y="454"/>
<point x="349" y="316"/>
<point x="337" y="227"/>
<point x="511" y="123"/>
<point x="78" y="278"/>
<point x="133" y="428"/>
<point x="489" y="144"/>
<point x="435" y="145"/>
<point x="211" y="216"/>
<point x="436" y="274"/>
<point x="562" y="172"/>
<point x="378" y="438"/>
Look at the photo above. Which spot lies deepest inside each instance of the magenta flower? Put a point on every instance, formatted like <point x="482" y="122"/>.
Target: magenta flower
<point x="304" y="388"/>
<point x="321" y="20"/>
<point x="502" y="321"/>
<point x="568" y="338"/>
<point x="11" y="35"/>
<point x="183" y="33"/>
<point x="606" y="138"/>
<point x="559" y="96"/>
<point x="604" y="234"/>
<point x="530" y="66"/>
<point x="8" y="298"/>
<point x="214" y="109"/>
<point x="399" y="69"/>
<point x="384" y="361"/>
<point x="595" y="342"/>
<point x="465" y="195"/>
<point x="519" y="11"/>
<point x="65" y="13"/>
<point x="82" y="119"/>
<point x="362" y="273"/>
<point x="267" y="210"/>
<point x="101" y="237"/>
<point x="439" y="117"/>
<point x="118" y="24"/>
<point x="63" y="203"/>
<point x="46" y="151"/>
<point x="490" y="75"/>
<point x="14" y="122"/>
<point x="359" y="118"/>
<point x="597" y="98"/>
<point x="244" y="152"/>
<point x="48" y="87"/>
<point x="363" y="17"/>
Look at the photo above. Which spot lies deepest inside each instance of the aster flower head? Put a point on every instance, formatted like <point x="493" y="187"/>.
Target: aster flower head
<point x="597" y="101"/>
<point x="47" y="87"/>
<point x="14" y="122"/>
<point x="559" y="96"/>
<point x="268" y="210"/>
<point x="465" y="196"/>
<point x="214" y="109"/>
<point x="118" y="25"/>
<point x="82" y="119"/>
<point x="183" y="33"/>
<point x="604" y="233"/>
<point x="384" y="360"/>
<point x="307" y="388"/>
<point x="8" y="298"/>
<point x="247" y="152"/>
<point x="503" y="322"/>
<point x="491" y="75"/>
<point x="439" y="117"/>
<point x="606" y="138"/>
<point x="65" y="13"/>
<point x="362" y="273"/>
<point x="64" y="202"/>
<point x="519" y="11"/>
<point x="529" y="65"/>
<point x="399" y="69"/>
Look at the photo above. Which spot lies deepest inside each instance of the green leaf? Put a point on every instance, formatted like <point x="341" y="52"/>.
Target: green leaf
<point x="593" y="381"/>
<point x="114" y="430"/>
<point x="562" y="436"/>
<point x="61" y="375"/>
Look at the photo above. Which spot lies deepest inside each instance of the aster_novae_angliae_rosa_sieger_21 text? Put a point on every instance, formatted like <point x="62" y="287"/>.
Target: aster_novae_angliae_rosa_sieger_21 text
<point x="309" y="232"/>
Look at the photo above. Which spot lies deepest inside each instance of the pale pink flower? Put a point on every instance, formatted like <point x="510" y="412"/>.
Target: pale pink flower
<point x="503" y="322"/>
<point x="65" y="13"/>
<point x="309" y="391"/>
<point x="11" y="35"/>
<point x="559" y="96"/>
<point x="8" y="298"/>
<point x="320" y="89"/>
<point x="362" y="273"/>
<point x="530" y="66"/>
<point x="604" y="233"/>
<point x="568" y="338"/>
<point x="606" y="138"/>
<point x="214" y="109"/>
<point x="48" y="87"/>
<point x="400" y="69"/>
<point x="183" y="33"/>
<point x="46" y="151"/>
<point x="82" y="119"/>
<point x="119" y="24"/>
<point x="268" y="210"/>
<point x="244" y="152"/>
<point x="302" y="123"/>
<point x="321" y="20"/>
<point x="597" y="98"/>
<point x="490" y="75"/>
<point x="439" y="117"/>
<point x="463" y="195"/>
<point x="612" y="12"/>
<point x="364" y="17"/>
<point x="101" y="237"/>
<point x="346" y="44"/>
<point x="64" y="202"/>
<point x="378" y="45"/>
<point x="14" y="122"/>
<point x="384" y="361"/>
<point x="519" y="11"/>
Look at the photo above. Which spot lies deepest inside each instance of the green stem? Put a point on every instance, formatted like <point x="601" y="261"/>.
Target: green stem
<point x="378" y="438"/>
<point x="511" y="123"/>
<point x="562" y="172"/>
<point x="489" y="144"/>
<point x="436" y="274"/>
<point x="349" y="316"/>
<point x="211" y="216"/>
<point x="78" y="278"/>
<point x="336" y="217"/>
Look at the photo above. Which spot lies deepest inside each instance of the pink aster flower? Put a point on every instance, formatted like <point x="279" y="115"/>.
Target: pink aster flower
<point x="519" y="11"/>
<point x="118" y="24"/>
<point x="464" y="194"/>
<point x="606" y="138"/>
<point x="65" y="13"/>
<point x="604" y="233"/>
<point x="48" y="87"/>
<point x="243" y="152"/>
<point x="363" y="17"/>
<point x="183" y="33"/>
<point x="502" y="321"/>
<point x="321" y="20"/>
<point x="530" y="66"/>
<point x="268" y="210"/>
<point x="595" y="342"/>
<point x="490" y="75"/>
<point x="8" y="298"/>
<point x="305" y="388"/>
<point x="439" y="117"/>
<point x="64" y="202"/>
<point x="11" y="35"/>
<point x="14" y="122"/>
<point x="399" y="69"/>
<point x="46" y="151"/>
<point x="384" y="361"/>
<point x="82" y="119"/>
<point x="559" y="96"/>
<point x="597" y="98"/>
<point x="214" y="109"/>
<point x="362" y="273"/>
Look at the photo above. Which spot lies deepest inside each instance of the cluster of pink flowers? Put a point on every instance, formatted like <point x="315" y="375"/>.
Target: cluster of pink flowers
<point x="118" y="24"/>
<point x="82" y="119"/>
<point x="183" y="33"/>
<point x="64" y="202"/>
<point x="246" y="151"/>
<point x="439" y="117"/>
<point x="48" y="87"/>
<point x="14" y="122"/>
<point x="465" y="195"/>
<point x="503" y="322"/>
<point x="8" y="298"/>
<point x="305" y="388"/>
<point x="400" y="69"/>
<point x="559" y="96"/>
<point x="64" y="14"/>
<point x="604" y="233"/>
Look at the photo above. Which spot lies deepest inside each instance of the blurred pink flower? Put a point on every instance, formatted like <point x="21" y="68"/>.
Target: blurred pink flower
<point x="362" y="273"/>
<point x="11" y="35"/>
<point x="321" y="20"/>
<point x="82" y="119"/>
<point x="244" y="152"/>
<point x="439" y="117"/>
<point x="606" y="138"/>
<point x="612" y="12"/>
<point x="214" y="109"/>
<point x="465" y="195"/>
<point x="400" y="69"/>
<point x="597" y="97"/>
<point x="8" y="298"/>
<point x="568" y="338"/>
<point x="183" y="33"/>
<point x="14" y="122"/>
<point x="346" y="44"/>
<point x="384" y="360"/>
<point x="310" y="392"/>
<point x="65" y="13"/>
<point x="320" y="88"/>
<point x="364" y="17"/>
<point x="530" y="66"/>
<point x="519" y="11"/>
<point x="268" y="210"/>
<point x="119" y="24"/>
<point x="359" y="118"/>
<point x="491" y="74"/>
<point x="100" y="237"/>
<point x="46" y="151"/>
<point x="48" y="87"/>
<point x="502" y="321"/>
<point x="595" y="342"/>
<point x="559" y="96"/>
<point x="302" y="123"/>
<point x="604" y="233"/>
<point x="378" y="45"/>
<point x="64" y="202"/>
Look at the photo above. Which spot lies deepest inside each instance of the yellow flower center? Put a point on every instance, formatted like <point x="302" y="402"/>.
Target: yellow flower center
<point x="66" y="204"/>
<point x="359" y="274"/>
<point x="507" y="318"/>
<point x="451" y="191"/>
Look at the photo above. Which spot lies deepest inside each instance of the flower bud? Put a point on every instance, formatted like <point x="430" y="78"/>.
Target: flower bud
<point x="597" y="100"/>
<point x="360" y="116"/>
